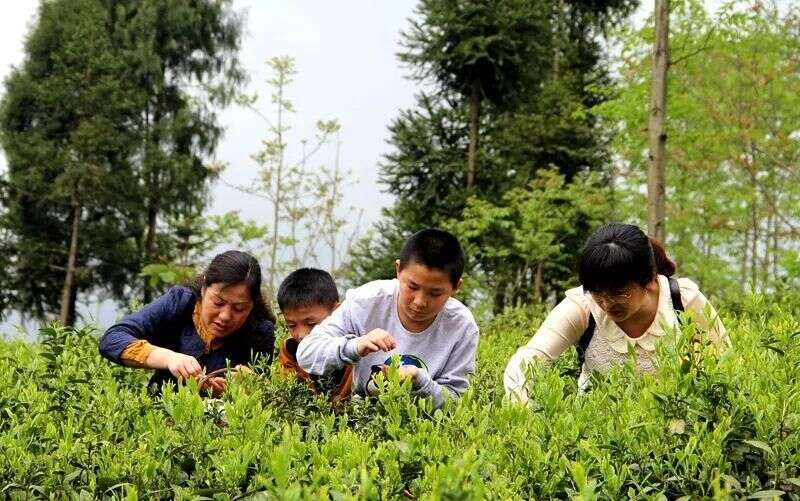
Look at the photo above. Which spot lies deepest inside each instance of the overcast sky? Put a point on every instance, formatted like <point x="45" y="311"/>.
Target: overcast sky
<point x="346" y="70"/>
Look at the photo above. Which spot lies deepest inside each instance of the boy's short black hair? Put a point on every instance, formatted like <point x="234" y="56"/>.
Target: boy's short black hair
<point x="307" y="287"/>
<point x="435" y="249"/>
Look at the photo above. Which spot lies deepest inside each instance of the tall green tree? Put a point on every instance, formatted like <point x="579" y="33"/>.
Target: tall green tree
<point x="117" y="142"/>
<point x="656" y="203"/>
<point x="540" y="117"/>
<point x="182" y="56"/>
<point x="525" y="242"/>
<point x="65" y="120"/>
<point x="483" y="50"/>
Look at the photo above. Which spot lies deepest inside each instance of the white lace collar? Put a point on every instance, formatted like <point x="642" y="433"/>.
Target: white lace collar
<point x="617" y="338"/>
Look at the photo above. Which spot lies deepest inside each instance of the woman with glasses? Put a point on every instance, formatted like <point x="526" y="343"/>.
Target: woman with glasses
<point x="627" y="299"/>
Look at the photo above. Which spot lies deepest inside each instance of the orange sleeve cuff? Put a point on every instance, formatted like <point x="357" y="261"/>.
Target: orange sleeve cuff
<point x="289" y="365"/>
<point x="136" y="353"/>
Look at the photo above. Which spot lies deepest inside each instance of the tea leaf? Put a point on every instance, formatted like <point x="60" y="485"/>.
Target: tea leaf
<point x="759" y="445"/>
<point x="768" y="494"/>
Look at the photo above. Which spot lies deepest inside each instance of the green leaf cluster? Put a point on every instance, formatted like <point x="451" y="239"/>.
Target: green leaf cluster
<point x="525" y="243"/>
<point x="706" y="425"/>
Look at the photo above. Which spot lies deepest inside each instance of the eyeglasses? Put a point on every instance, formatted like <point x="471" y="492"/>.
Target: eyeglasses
<point x="613" y="298"/>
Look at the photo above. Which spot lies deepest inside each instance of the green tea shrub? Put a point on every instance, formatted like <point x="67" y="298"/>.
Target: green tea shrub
<point x="707" y="425"/>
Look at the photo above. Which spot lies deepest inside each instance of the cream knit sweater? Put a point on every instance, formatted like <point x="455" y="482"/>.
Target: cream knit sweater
<point x="609" y="346"/>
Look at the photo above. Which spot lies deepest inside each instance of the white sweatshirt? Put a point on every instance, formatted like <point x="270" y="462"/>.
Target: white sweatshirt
<point x="447" y="347"/>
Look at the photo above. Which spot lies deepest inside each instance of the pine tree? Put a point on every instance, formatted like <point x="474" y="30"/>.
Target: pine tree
<point x="539" y="116"/>
<point x="66" y="117"/>
<point x="482" y="51"/>
<point x="182" y="56"/>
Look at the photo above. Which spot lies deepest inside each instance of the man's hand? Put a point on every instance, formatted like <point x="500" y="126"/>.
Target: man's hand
<point x="183" y="366"/>
<point x="375" y="340"/>
<point x="408" y="372"/>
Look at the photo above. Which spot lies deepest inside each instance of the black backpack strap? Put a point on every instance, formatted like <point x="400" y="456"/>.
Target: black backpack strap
<point x="583" y="342"/>
<point x="675" y="293"/>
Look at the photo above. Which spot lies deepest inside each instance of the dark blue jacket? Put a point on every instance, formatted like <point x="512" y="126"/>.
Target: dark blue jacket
<point x="167" y="323"/>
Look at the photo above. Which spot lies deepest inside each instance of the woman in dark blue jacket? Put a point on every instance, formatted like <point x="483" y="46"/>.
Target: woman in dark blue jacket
<point x="220" y="319"/>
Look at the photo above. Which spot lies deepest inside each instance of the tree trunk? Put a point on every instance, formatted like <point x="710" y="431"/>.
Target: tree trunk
<point x="775" y="257"/>
<point x="277" y="202"/>
<point x="152" y="118"/>
<point x="558" y="22"/>
<point x="754" y="246"/>
<point x="765" y="262"/>
<point x="150" y="248"/>
<point x="499" y="298"/>
<point x="743" y="265"/>
<point x="293" y="218"/>
<point x="538" y="283"/>
<point x="332" y="227"/>
<point x="656" y="203"/>
<point x="474" y="116"/>
<point x="72" y="315"/>
<point x="66" y="315"/>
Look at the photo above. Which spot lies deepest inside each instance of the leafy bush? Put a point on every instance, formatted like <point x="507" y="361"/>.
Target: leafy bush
<point x="73" y="425"/>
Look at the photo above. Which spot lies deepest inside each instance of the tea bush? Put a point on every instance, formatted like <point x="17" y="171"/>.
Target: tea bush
<point x="72" y="425"/>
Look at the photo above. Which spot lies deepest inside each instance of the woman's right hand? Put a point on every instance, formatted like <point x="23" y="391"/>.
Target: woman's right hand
<point x="183" y="366"/>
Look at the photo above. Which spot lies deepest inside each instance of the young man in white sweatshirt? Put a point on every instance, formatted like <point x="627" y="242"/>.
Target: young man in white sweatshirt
<point x="413" y="315"/>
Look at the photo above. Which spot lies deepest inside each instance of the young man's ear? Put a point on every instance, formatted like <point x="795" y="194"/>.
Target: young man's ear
<point x="458" y="286"/>
<point x="397" y="268"/>
<point x="338" y="303"/>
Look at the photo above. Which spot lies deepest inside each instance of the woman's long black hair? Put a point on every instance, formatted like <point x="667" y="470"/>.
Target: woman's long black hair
<point x="618" y="254"/>
<point x="236" y="267"/>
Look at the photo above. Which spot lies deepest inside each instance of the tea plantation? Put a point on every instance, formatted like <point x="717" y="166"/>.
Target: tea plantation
<point x="74" y="426"/>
